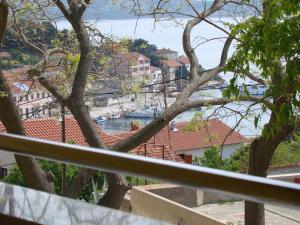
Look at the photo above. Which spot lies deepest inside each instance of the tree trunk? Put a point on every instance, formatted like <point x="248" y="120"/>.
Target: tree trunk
<point x="33" y="175"/>
<point x="117" y="184"/>
<point x="260" y="156"/>
<point x="117" y="188"/>
<point x="255" y="212"/>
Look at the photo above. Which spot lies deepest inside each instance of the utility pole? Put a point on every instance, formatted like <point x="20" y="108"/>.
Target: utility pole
<point x="63" y="139"/>
<point x="181" y="77"/>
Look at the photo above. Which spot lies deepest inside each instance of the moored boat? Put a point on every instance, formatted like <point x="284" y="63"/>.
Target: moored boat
<point x="144" y="112"/>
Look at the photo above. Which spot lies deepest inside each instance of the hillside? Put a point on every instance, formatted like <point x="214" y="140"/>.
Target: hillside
<point x="106" y="9"/>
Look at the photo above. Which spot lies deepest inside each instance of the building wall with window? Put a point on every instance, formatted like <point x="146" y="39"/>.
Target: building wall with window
<point x="32" y="101"/>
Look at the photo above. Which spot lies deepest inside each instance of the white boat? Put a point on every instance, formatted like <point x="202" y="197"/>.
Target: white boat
<point x="255" y="89"/>
<point x="100" y="119"/>
<point x="145" y="112"/>
<point x="115" y="116"/>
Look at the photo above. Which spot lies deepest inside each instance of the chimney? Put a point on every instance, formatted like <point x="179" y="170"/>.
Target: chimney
<point x="188" y="158"/>
<point x="134" y="125"/>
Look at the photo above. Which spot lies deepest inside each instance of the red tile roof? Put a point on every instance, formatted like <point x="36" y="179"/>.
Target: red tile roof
<point x="16" y="73"/>
<point x="170" y="63"/>
<point x="50" y="129"/>
<point x="183" y="60"/>
<point x="213" y="133"/>
<point x="133" y="56"/>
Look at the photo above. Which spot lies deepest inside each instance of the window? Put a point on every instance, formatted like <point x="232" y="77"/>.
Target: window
<point x="43" y="94"/>
<point x="49" y="112"/>
<point x="141" y="61"/>
<point x="15" y="98"/>
<point x="32" y="96"/>
<point x="26" y="97"/>
<point x="37" y="95"/>
<point x="20" y="112"/>
<point x="134" y="70"/>
<point x="27" y="112"/>
<point x="3" y="172"/>
<point x="43" y="110"/>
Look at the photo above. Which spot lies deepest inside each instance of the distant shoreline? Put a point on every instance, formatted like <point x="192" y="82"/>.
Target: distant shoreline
<point x="130" y="18"/>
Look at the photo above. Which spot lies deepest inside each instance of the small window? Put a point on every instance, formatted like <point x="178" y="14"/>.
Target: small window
<point x="27" y="112"/>
<point x="3" y="172"/>
<point x="38" y="95"/>
<point x="43" y="94"/>
<point x="32" y="96"/>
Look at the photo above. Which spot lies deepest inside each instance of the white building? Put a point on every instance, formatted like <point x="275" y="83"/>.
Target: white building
<point x="31" y="99"/>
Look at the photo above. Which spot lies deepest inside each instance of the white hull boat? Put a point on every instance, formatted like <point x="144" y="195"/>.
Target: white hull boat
<point x="145" y="112"/>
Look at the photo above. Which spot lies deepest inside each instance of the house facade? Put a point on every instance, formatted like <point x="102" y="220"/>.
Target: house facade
<point x="32" y="100"/>
<point x="166" y="54"/>
<point x="169" y="68"/>
<point x="131" y="64"/>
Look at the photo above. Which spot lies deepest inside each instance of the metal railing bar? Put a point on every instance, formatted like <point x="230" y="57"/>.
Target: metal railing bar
<point x="247" y="187"/>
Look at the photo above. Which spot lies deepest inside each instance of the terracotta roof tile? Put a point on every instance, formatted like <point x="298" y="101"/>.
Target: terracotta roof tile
<point x="214" y="133"/>
<point x="183" y="60"/>
<point x="170" y="63"/>
<point x="50" y="129"/>
<point x="133" y="56"/>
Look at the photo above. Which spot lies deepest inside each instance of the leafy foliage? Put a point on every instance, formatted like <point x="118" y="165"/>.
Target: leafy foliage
<point x="15" y="177"/>
<point x="142" y="46"/>
<point x="212" y="159"/>
<point x="287" y="153"/>
<point x="271" y="45"/>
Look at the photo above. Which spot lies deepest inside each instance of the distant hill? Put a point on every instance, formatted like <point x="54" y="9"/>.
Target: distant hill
<point x="105" y="9"/>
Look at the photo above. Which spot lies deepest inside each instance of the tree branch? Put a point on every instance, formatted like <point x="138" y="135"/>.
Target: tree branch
<point x="186" y="38"/>
<point x="224" y="54"/>
<point x="66" y="12"/>
<point x="52" y="89"/>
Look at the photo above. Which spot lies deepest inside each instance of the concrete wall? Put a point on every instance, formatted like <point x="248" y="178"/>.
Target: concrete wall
<point x="227" y="151"/>
<point x="150" y="205"/>
<point x="187" y="196"/>
<point x="7" y="160"/>
<point x="285" y="177"/>
<point x="182" y="195"/>
<point x="213" y="197"/>
<point x="284" y="170"/>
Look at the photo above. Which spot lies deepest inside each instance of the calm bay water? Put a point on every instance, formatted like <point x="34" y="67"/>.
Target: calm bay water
<point x="169" y="35"/>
